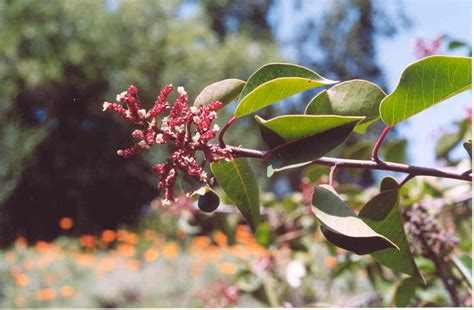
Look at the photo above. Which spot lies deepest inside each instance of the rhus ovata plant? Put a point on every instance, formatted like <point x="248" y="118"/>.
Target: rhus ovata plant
<point x="293" y="141"/>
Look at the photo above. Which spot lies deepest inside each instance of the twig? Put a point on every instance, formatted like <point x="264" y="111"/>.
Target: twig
<point x="366" y="164"/>
<point x="332" y="174"/>
<point x="375" y="156"/>
<point x="224" y="129"/>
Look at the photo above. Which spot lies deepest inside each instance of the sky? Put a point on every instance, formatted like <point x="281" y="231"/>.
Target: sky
<point x="430" y="18"/>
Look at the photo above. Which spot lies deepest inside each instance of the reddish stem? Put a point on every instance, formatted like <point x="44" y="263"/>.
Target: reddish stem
<point x="224" y="129"/>
<point x="379" y="142"/>
<point x="366" y="164"/>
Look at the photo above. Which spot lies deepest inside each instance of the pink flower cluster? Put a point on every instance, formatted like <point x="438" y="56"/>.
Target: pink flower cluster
<point x="425" y="48"/>
<point x="188" y="128"/>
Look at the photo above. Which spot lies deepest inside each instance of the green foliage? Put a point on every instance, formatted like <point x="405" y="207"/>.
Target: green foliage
<point x="224" y="91"/>
<point x="238" y="181"/>
<point x="350" y="98"/>
<point x="382" y="214"/>
<point x="342" y="227"/>
<point x="405" y="291"/>
<point x="296" y="140"/>
<point x="425" y="83"/>
<point x="274" y="82"/>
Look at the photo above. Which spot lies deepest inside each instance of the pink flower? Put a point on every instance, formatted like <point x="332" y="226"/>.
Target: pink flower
<point x="188" y="128"/>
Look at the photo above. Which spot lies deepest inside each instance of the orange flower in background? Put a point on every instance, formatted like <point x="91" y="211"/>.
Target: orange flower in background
<point x="201" y="242"/>
<point x="330" y="262"/>
<point x="85" y="259"/>
<point x="21" y="279"/>
<point x="87" y="241"/>
<point x="170" y="250"/>
<point x="220" y="238"/>
<point x="127" y="237"/>
<point x="243" y="235"/>
<point x="151" y="255"/>
<point x="41" y="246"/>
<point x="228" y="268"/>
<point x="109" y="236"/>
<point x="66" y="223"/>
<point x="150" y="235"/>
<point x="133" y="264"/>
<point x="126" y="249"/>
<point x="21" y="242"/>
<point x="45" y="294"/>
<point x="67" y="291"/>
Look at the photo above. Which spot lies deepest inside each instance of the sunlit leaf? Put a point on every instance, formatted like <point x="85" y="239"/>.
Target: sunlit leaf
<point x="274" y="82"/>
<point x="237" y="179"/>
<point x="425" y="83"/>
<point x="224" y="91"/>
<point x="351" y="98"/>
<point x="342" y="227"/>
<point x="395" y="151"/>
<point x="296" y="140"/>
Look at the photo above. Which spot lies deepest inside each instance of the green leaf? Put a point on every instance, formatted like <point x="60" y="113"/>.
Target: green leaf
<point x="224" y="91"/>
<point x="274" y="82"/>
<point x="405" y="292"/>
<point x="468" y="146"/>
<point x="395" y="151"/>
<point x="446" y="143"/>
<point x="382" y="214"/>
<point x="351" y="98"/>
<point x="464" y="264"/>
<point x="342" y="227"/>
<point x="237" y="179"/>
<point x="296" y="140"/>
<point x="425" y="83"/>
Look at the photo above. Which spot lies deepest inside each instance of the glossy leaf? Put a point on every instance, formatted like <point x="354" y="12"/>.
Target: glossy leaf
<point x="342" y="227"/>
<point x="237" y="179"/>
<point x="224" y="91"/>
<point x="274" y="82"/>
<point x="351" y="98"/>
<point x="425" y="83"/>
<point x="405" y="292"/>
<point x="382" y="214"/>
<point x="296" y="140"/>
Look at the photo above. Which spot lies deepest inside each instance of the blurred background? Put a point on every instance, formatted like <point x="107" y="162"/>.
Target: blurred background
<point x="64" y="190"/>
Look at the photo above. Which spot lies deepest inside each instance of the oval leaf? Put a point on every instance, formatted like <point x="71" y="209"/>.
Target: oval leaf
<point x="237" y="179"/>
<point x="425" y="83"/>
<point x="296" y="140"/>
<point x="224" y="91"/>
<point x="274" y="82"/>
<point x="405" y="292"/>
<point x="351" y="98"/>
<point x="343" y="227"/>
<point x="382" y="214"/>
<point x="468" y="146"/>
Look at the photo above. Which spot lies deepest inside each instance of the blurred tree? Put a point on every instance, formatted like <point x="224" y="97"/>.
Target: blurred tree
<point x="59" y="60"/>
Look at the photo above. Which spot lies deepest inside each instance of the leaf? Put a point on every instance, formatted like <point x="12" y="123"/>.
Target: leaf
<point x="342" y="227"/>
<point x="382" y="214"/>
<point x="274" y="82"/>
<point x="296" y="140"/>
<point x="425" y="83"/>
<point x="446" y="143"/>
<point x="224" y="91"/>
<point x="464" y="265"/>
<point x="237" y="179"/>
<point x="468" y="146"/>
<point x="405" y="292"/>
<point x="395" y="151"/>
<point x="351" y="98"/>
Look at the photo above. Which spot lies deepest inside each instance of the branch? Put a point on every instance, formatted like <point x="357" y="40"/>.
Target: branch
<point x="224" y="129"/>
<point x="375" y="151"/>
<point x="367" y="164"/>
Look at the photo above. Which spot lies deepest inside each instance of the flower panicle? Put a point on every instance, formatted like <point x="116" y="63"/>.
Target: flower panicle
<point x="189" y="128"/>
